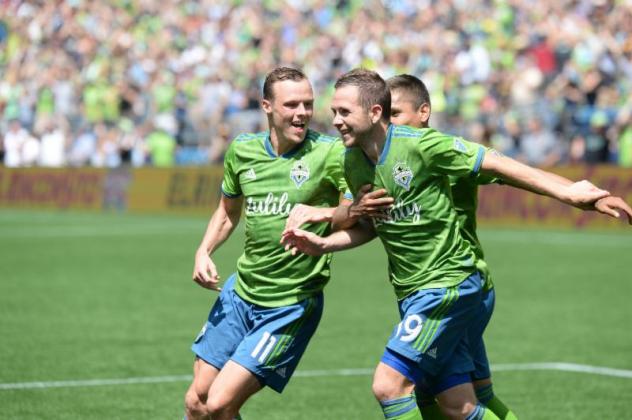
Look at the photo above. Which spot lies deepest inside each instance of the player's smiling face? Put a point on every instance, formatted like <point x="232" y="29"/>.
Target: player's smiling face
<point x="351" y="119"/>
<point x="290" y="109"/>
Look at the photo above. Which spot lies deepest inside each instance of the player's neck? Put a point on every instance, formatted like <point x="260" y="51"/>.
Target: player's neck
<point x="280" y="144"/>
<point x="373" y="142"/>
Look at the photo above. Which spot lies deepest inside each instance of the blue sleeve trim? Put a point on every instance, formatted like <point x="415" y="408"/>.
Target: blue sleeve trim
<point x="479" y="160"/>
<point x="229" y="195"/>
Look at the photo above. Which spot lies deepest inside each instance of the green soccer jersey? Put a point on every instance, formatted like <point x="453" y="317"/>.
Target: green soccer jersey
<point x="465" y="197"/>
<point x="421" y="232"/>
<point x="272" y="185"/>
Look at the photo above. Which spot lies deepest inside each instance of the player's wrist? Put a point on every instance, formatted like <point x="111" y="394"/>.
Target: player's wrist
<point x="202" y="252"/>
<point x="327" y="245"/>
<point x="327" y="214"/>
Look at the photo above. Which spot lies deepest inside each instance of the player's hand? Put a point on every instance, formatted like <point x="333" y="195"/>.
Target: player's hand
<point x="302" y="214"/>
<point x="369" y="203"/>
<point x="583" y="195"/>
<point x="297" y="240"/>
<point x="612" y="206"/>
<point x="205" y="273"/>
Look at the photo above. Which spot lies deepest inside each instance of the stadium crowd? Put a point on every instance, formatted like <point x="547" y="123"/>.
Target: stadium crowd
<point x="144" y="82"/>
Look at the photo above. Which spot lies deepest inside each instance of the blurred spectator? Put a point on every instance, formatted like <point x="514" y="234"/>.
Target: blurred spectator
<point x="83" y="147"/>
<point x="13" y="143"/>
<point x="161" y="142"/>
<point x="491" y="66"/>
<point x="539" y="146"/>
<point x="31" y="151"/>
<point x="53" y="146"/>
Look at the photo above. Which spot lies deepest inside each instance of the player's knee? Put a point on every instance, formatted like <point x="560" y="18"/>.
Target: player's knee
<point x="457" y="409"/>
<point x="457" y="402"/>
<point x="384" y="389"/>
<point x="220" y="407"/>
<point x="194" y="404"/>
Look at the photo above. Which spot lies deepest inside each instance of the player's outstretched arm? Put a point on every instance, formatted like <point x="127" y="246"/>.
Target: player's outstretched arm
<point x="367" y="203"/>
<point x="581" y="194"/>
<point x="612" y="206"/>
<point x="219" y="228"/>
<point x="297" y="240"/>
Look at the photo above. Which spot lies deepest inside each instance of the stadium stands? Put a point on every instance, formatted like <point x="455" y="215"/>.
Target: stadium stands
<point x="546" y="82"/>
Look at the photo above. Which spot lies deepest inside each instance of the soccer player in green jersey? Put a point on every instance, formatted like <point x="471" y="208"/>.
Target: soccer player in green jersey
<point x="266" y="313"/>
<point x="432" y="268"/>
<point x="410" y="105"/>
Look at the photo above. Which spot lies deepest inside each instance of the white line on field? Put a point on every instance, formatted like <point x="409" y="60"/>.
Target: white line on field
<point x="583" y="238"/>
<point x="559" y="366"/>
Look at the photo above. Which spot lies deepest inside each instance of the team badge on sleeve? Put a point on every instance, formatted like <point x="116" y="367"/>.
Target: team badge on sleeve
<point x="459" y="146"/>
<point x="299" y="173"/>
<point x="402" y="175"/>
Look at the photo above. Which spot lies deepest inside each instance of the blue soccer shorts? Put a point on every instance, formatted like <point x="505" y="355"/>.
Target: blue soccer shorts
<point x="269" y="342"/>
<point x="475" y="339"/>
<point x="432" y="337"/>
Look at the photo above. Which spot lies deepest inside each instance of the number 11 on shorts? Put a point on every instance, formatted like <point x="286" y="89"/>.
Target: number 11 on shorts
<point x="270" y="340"/>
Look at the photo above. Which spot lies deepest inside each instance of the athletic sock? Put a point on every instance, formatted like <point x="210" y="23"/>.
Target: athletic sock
<point x="486" y="396"/>
<point x="403" y="408"/>
<point x="481" y="413"/>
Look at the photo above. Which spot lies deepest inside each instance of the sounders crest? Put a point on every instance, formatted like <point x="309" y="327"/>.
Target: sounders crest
<point x="299" y="173"/>
<point x="402" y="175"/>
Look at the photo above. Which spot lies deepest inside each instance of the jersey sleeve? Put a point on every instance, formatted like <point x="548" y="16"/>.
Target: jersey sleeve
<point x="335" y="168"/>
<point x="449" y="155"/>
<point x="483" y="179"/>
<point x="230" y="182"/>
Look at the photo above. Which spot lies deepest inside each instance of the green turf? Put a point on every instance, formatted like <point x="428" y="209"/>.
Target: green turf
<point x="109" y="296"/>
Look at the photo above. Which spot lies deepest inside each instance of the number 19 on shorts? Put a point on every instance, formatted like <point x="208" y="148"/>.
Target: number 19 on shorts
<point x="409" y="329"/>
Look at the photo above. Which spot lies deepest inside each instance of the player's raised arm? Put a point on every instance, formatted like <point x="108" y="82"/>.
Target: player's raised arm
<point x="221" y="225"/>
<point x="580" y="195"/>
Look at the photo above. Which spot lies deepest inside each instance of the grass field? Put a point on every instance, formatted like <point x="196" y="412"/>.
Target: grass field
<point x="109" y="297"/>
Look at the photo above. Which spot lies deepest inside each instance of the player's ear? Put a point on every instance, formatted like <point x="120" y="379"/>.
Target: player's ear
<point x="424" y="113"/>
<point x="266" y="105"/>
<point x="375" y="113"/>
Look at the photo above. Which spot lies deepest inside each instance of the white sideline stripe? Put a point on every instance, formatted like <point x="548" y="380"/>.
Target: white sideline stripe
<point x="564" y="367"/>
<point x="80" y="231"/>
<point x="584" y="238"/>
<point x="97" y="382"/>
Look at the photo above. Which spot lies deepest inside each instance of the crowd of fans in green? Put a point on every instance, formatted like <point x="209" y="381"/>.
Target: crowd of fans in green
<point x="170" y="82"/>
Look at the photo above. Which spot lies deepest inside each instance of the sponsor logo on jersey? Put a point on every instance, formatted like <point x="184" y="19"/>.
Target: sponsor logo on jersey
<point x="399" y="212"/>
<point x="271" y="205"/>
<point x="299" y="173"/>
<point x="402" y="175"/>
<point x="458" y="145"/>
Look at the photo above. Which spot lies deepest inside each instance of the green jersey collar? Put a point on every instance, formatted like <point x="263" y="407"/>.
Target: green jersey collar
<point x="387" y="145"/>
<point x="286" y="155"/>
